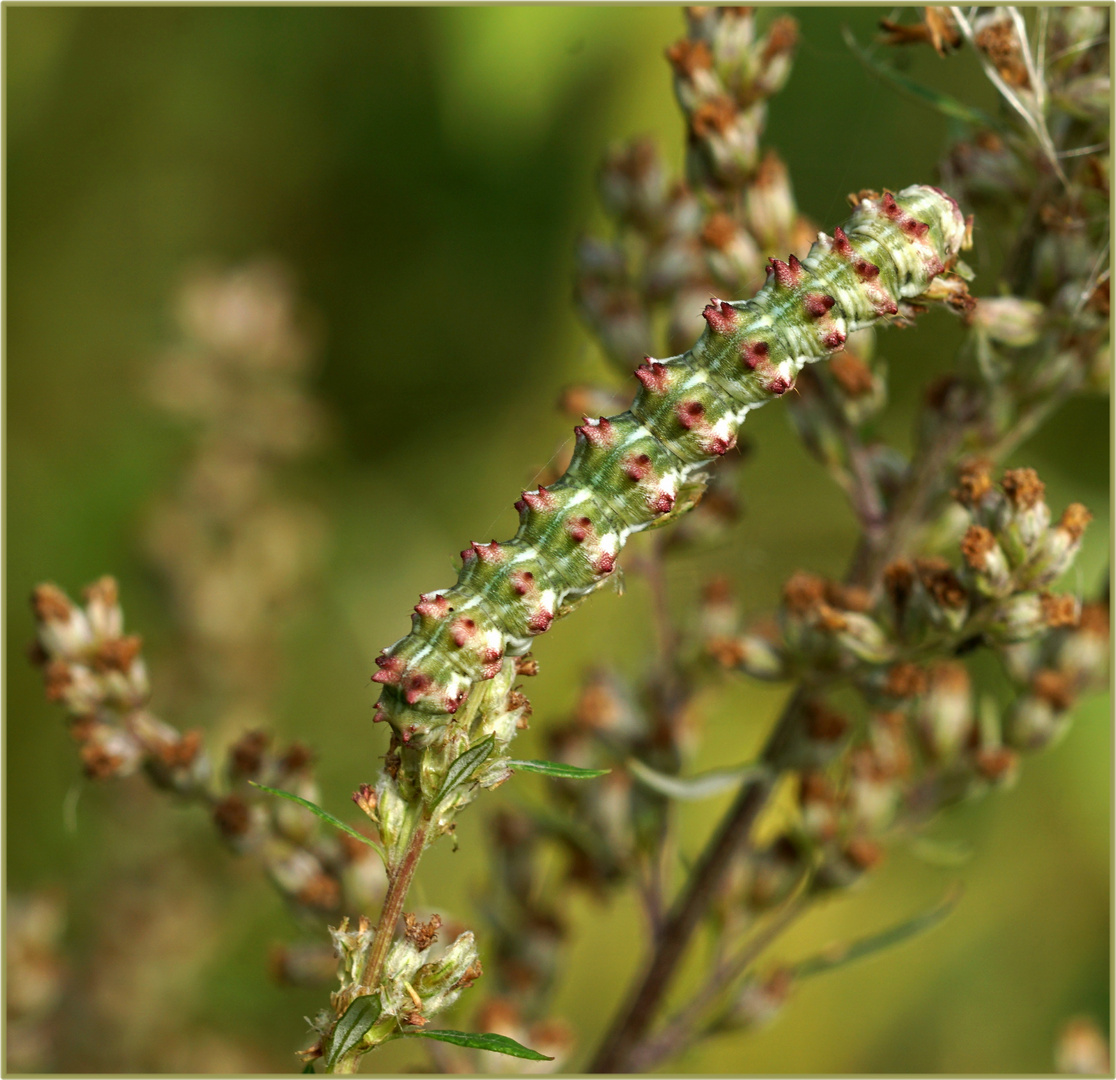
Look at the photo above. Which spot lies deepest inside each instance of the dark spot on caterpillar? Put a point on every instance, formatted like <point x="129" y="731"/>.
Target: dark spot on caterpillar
<point x="754" y="353"/>
<point x="580" y="528"/>
<point x="689" y="412"/>
<point x="866" y="271"/>
<point x="638" y="467"/>
<point x="911" y="227"/>
<point x="818" y="304"/>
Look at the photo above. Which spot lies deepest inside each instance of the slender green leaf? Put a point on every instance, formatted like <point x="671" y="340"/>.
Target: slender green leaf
<point x="963" y="270"/>
<point x="325" y="815"/>
<point x="466" y="765"/>
<point x="845" y="953"/>
<point x="353" y="1026"/>
<point x="702" y="786"/>
<point x="935" y="99"/>
<point x="308" y="1068"/>
<point x="556" y="768"/>
<point x="497" y="1044"/>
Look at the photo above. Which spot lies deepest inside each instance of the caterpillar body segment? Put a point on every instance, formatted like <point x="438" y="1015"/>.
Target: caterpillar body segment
<point x="641" y="468"/>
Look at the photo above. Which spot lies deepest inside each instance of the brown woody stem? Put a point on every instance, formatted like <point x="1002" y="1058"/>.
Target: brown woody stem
<point x="393" y="907"/>
<point x="628" y="1031"/>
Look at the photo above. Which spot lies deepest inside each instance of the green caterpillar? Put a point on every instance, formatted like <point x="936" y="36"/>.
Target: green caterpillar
<point x="642" y="468"/>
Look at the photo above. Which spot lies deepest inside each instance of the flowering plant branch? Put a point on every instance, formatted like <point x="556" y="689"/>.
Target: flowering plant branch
<point x="882" y="726"/>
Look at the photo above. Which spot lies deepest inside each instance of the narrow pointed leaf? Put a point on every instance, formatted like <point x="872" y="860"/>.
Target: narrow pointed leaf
<point x="935" y="99"/>
<point x="557" y="768"/>
<point x="847" y="952"/>
<point x="353" y="1026"/>
<point x="466" y="765"/>
<point x="703" y="786"/>
<point x="325" y="815"/>
<point x="497" y="1044"/>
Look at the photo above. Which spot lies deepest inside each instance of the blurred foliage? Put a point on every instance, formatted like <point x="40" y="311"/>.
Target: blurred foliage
<point x="425" y="173"/>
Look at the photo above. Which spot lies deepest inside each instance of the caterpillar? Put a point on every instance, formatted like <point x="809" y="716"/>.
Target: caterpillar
<point x="644" y="467"/>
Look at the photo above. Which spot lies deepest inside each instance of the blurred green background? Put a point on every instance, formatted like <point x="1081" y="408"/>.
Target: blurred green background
<point x="425" y="173"/>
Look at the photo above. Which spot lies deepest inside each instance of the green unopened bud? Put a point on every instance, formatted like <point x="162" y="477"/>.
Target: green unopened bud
<point x="365" y="798"/>
<point x="775" y="872"/>
<point x="685" y="321"/>
<point x="63" y="628"/>
<point x="392" y="812"/>
<point x="944" y="714"/>
<point x="943" y="599"/>
<point x="761" y="658"/>
<point x="694" y="77"/>
<point x="769" y="206"/>
<point x="873" y="794"/>
<point x="759" y="1001"/>
<point x="633" y="185"/>
<point x="732" y="254"/>
<point x="1028" y="516"/>
<point x="440" y="983"/>
<point x="774" y="56"/>
<point x="1082" y="1047"/>
<point x="863" y="638"/>
<point x="351" y="947"/>
<point x="363" y="878"/>
<point x="997" y="765"/>
<point x="674" y="265"/>
<point x="108" y="751"/>
<point x="846" y="866"/>
<point x="813" y="740"/>
<point x="1008" y="320"/>
<point x="1041" y="717"/>
<point x="1084" y="652"/>
<point x="990" y="573"/>
<point x="728" y="32"/>
<point x="1017" y="618"/>
<point x="724" y="142"/>
<point x="1060" y="546"/>
<point x="619" y="320"/>
<point x="601" y="262"/>
<point x="862" y="392"/>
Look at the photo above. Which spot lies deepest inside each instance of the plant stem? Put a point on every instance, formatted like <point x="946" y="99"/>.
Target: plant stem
<point x="393" y="906"/>
<point x="683" y="1029"/>
<point x="398" y="887"/>
<point x="627" y="1032"/>
<point x="620" y="1045"/>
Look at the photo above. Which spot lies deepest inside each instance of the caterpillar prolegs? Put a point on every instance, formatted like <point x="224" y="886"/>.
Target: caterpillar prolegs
<point x="642" y="468"/>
